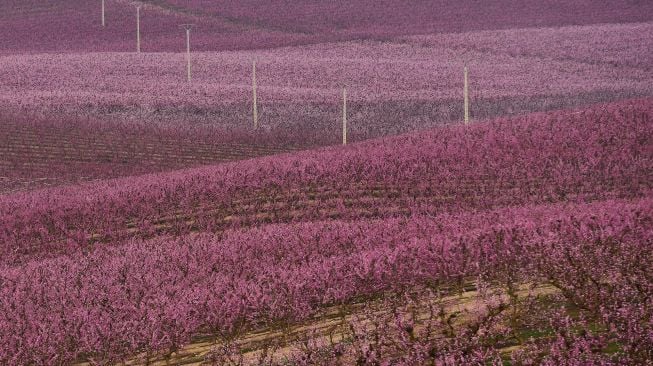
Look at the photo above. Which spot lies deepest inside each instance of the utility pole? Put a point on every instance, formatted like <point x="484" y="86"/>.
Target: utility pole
<point x="466" y="96"/>
<point x="344" y="116"/>
<point x="188" y="27"/>
<point x="254" y="100"/>
<point x="138" y="28"/>
<point x="103" y="22"/>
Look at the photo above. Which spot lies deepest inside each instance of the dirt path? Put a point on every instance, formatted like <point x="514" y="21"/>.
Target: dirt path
<point x="329" y="325"/>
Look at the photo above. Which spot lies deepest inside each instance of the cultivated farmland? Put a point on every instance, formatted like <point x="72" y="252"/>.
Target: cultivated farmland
<point x="429" y="181"/>
<point x="40" y="153"/>
<point x="315" y="194"/>
<point x="74" y="25"/>
<point x="394" y="86"/>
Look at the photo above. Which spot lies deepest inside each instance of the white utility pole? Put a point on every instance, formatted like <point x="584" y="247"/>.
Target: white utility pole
<point x="344" y="116"/>
<point x="103" y="22"/>
<point x="138" y="29"/>
<point x="254" y="100"/>
<point x="188" y="27"/>
<point x="466" y="96"/>
<point x="188" y="52"/>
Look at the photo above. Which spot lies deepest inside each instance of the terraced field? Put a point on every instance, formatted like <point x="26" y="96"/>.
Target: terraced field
<point x="261" y="248"/>
<point x="146" y="219"/>
<point x="363" y="181"/>
<point x="51" y="153"/>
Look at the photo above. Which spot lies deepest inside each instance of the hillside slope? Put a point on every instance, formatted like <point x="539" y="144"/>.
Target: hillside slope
<point x="111" y="269"/>
<point x="506" y="162"/>
<point x="38" y="153"/>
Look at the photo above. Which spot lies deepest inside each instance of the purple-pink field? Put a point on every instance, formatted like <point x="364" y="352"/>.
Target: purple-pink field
<point x="74" y="25"/>
<point x="142" y="214"/>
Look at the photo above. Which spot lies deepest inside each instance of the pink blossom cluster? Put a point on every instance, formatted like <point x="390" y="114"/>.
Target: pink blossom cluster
<point x="505" y="162"/>
<point x="39" y="152"/>
<point x="154" y="295"/>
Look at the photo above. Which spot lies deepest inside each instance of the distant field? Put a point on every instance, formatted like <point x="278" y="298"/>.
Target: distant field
<point x="146" y="220"/>
<point x="397" y="86"/>
<point x="74" y="25"/>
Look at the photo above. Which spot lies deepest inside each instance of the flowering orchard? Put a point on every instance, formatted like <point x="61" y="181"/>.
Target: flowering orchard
<point x="75" y="25"/>
<point x="43" y="152"/>
<point x="153" y="295"/>
<point x="142" y="265"/>
<point x="393" y="87"/>
<point x="409" y="84"/>
<point x="175" y="197"/>
<point x="502" y="163"/>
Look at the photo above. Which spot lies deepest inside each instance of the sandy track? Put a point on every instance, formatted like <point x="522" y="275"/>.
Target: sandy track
<point x="331" y="324"/>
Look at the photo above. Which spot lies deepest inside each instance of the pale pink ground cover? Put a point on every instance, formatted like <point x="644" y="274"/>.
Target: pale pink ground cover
<point x="527" y="67"/>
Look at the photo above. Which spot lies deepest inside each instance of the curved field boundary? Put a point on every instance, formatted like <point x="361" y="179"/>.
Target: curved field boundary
<point x="332" y="325"/>
<point x="33" y="156"/>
